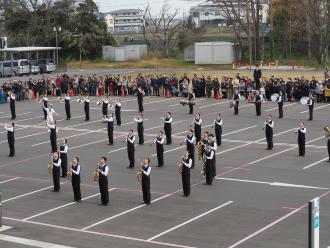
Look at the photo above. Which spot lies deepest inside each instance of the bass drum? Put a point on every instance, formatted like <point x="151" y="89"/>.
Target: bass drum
<point x="304" y="100"/>
<point x="274" y="97"/>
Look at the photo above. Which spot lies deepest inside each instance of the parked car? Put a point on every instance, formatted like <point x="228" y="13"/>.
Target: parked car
<point x="20" y="67"/>
<point x="34" y="67"/>
<point x="46" y="66"/>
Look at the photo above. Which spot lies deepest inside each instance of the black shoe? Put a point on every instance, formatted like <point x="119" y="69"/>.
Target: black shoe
<point x="110" y="144"/>
<point x="205" y="184"/>
<point x="55" y="190"/>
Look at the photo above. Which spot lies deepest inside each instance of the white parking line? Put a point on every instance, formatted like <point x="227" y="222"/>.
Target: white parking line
<point x="188" y="221"/>
<point x="218" y="103"/>
<point x="30" y="193"/>
<point x="324" y="106"/>
<point x="63" y="206"/>
<point x="287" y="105"/>
<point x="30" y="242"/>
<point x="9" y="180"/>
<point x="317" y="162"/>
<point x="7" y="116"/>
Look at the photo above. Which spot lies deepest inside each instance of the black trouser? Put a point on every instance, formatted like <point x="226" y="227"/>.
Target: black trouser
<point x="218" y="132"/>
<point x="13" y="111"/>
<point x="191" y="151"/>
<point x="146" y="189"/>
<point x="53" y="143"/>
<point x="258" y="108"/>
<point x="56" y="178"/>
<point x="198" y="133"/>
<point x="301" y="145"/>
<point x="186" y="181"/>
<point x="131" y="159"/>
<point x="236" y="107"/>
<point x="310" y="108"/>
<point x="280" y="110"/>
<point x="103" y="185"/>
<point x="160" y="156"/>
<point x="140" y="102"/>
<point x="191" y="108"/>
<point x="45" y="114"/>
<point x="110" y="135"/>
<point x="11" y="143"/>
<point x="269" y="138"/>
<point x="118" y="118"/>
<point x="67" y="111"/>
<point x="214" y="168"/>
<point x="168" y="134"/>
<point x="208" y="172"/>
<point x="140" y="134"/>
<point x="76" y="187"/>
<point x="86" y="113"/>
<point x="64" y="164"/>
<point x="329" y="149"/>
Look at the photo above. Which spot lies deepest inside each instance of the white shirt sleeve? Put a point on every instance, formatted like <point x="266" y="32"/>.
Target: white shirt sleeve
<point x="169" y="121"/>
<point x="108" y="119"/>
<point x="192" y="140"/>
<point x="199" y="122"/>
<point x="302" y="130"/>
<point x="106" y="171"/>
<point x="218" y="122"/>
<point x="51" y="126"/>
<point x="67" y="98"/>
<point x="58" y="164"/>
<point x="87" y="100"/>
<point x="9" y="129"/>
<point x="211" y="155"/>
<point x="131" y="140"/>
<point x="65" y="149"/>
<point x="189" y="164"/>
<point x="77" y="172"/>
<point x="215" y="146"/>
<point x="270" y="125"/>
<point x="138" y="120"/>
<point x="13" y="97"/>
<point x="161" y="141"/>
<point x="147" y="173"/>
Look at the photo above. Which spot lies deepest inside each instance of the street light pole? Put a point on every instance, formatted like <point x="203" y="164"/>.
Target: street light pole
<point x="57" y="29"/>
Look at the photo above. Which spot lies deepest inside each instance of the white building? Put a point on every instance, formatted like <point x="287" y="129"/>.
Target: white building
<point x="123" y="21"/>
<point x="217" y="14"/>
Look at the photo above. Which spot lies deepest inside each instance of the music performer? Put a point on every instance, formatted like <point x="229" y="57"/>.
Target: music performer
<point x="75" y="169"/>
<point x="145" y="183"/>
<point x="103" y="181"/>
<point x="209" y="157"/>
<point x="56" y="162"/>
<point x="160" y="149"/>
<point x="310" y="104"/>
<point x="53" y="135"/>
<point x="269" y="126"/>
<point x="168" y="128"/>
<point x="118" y="111"/>
<point x="44" y="105"/>
<point x="218" y="129"/>
<point x="105" y="106"/>
<point x="191" y="98"/>
<point x="67" y="99"/>
<point x="327" y="136"/>
<point x="130" y="140"/>
<point x="213" y="144"/>
<point x="64" y="156"/>
<point x="109" y="120"/>
<point x="140" y="128"/>
<point x="140" y="95"/>
<point x="10" y="128"/>
<point x="301" y="131"/>
<point x="190" y="144"/>
<point x="236" y="97"/>
<point x="257" y="102"/>
<point x="185" y="175"/>
<point x="198" y="127"/>
<point x="12" y="105"/>
<point x="86" y="108"/>
<point x="280" y="102"/>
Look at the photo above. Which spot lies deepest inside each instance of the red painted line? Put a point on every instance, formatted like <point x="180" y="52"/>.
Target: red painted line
<point x="97" y="233"/>
<point x="273" y="223"/>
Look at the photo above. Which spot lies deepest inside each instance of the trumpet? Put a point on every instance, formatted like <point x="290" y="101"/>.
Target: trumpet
<point x="50" y="166"/>
<point x="180" y="167"/>
<point x="60" y="98"/>
<point x="80" y="100"/>
<point x="96" y="173"/>
<point x="99" y="102"/>
<point x="139" y="175"/>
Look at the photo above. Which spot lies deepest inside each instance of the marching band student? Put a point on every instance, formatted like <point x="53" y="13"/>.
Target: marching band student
<point x="50" y="113"/>
<point x="105" y="103"/>
<point x="268" y="126"/>
<point x="56" y="161"/>
<point x="190" y="141"/>
<point x="140" y="128"/>
<point x="145" y="183"/>
<point x="236" y="97"/>
<point x="45" y="105"/>
<point x="53" y="134"/>
<point x="130" y="140"/>
<point x="257" y="102"/>
<point x="208" y="155"/>
<point x="118" y="111"/>
<point x="75" y="169"/>
<point x="140" y="95"/>
<point x="198" y="127"/>
<point x="186" y="165"/>
<point x="67" y="99"/>
<point x="280" y="102"/>
<point x="12" y="105"/>
<point x="310" y="104"/>
<point x="109" y="120"/>
<point x="205" y="141"/>
<point x="86" y="108"/>
<point x="301" y="131"/>
<point x="191" y="98"/>
<point x="218" y="129"/>
<point x="64" y="156"/>
<point x="168" y="128"/>
<point x="160" y="149"/>
<point x="214" y="147"/>
<point x="103" y="181"/>
<point x="327" y="136"/>
<point x="11" y="138"/>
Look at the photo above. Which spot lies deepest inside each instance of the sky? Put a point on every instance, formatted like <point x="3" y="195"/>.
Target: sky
<point x="110" y="5"/>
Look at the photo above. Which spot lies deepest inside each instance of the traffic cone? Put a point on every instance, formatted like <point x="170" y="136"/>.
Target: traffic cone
<point x="33" y="96"/>
<point x="122" y="92"/>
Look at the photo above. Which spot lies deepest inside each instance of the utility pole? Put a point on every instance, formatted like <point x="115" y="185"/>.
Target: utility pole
<point x="56" y="30"/>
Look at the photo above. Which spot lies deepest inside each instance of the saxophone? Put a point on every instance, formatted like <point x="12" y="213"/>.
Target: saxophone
<point x="200" y="146"/>
<point x="96" y="173"/>
<point x="50" y="166"/>
<point x="180" y="167"/>
<point x="139" y="175"/>
<point x="69" y="174"/>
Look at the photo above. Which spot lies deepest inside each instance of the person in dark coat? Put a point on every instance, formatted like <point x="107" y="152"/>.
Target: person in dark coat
<point x="257" y="102"/>
<point x="130" y="140"/>
<point x="64" y="156"/>
<point x="118" y="111"/>
<point x="53" y="135"/>
<point x="140" y="128"/>
<point x="86" y="108"/>
<point x="67" y="99"/>
<point x="12" y="105"/>
<point x="56" y="162"/>
<point x="257" y="76"/>
<point x="301" y="131"/>
<point x="268" y="126"/>
<point x="185" y="175"/>
<point x="103" y="171"/>
<point x="75" y="170"/>
<point x="280" y="102"/>
<point x="109" y="120"/>
<point x="159" y="141"/>
<point x="140" y="95"/>
<point x="11" y="138"/>
<point x="218" y="129"/>
<point x="198" y="127"/>
<point x="145" y="183"/>
<point x="310" y="104"/>
<point x="168" y="128"/>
